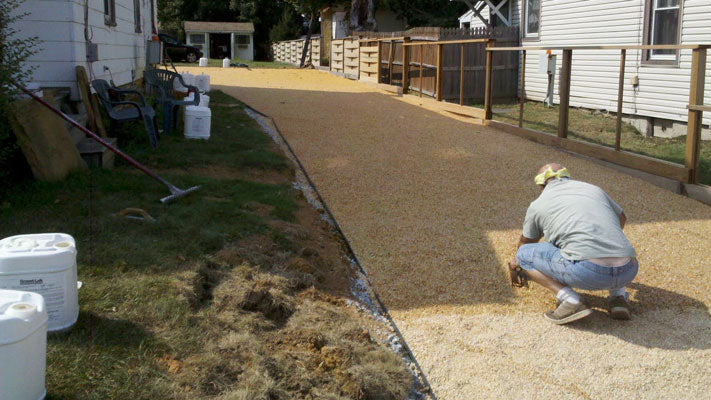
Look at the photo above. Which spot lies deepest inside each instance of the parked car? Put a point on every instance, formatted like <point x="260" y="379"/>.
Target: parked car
<point x="178" y="51"/>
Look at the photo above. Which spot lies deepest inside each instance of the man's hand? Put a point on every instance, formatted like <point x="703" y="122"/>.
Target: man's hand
<point x="517" y="276"/>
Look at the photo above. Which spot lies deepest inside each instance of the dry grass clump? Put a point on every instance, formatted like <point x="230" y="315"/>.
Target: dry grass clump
<point x="262" y="341"/>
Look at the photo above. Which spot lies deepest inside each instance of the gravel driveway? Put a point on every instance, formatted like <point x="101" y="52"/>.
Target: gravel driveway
<point x="433" y="207"/>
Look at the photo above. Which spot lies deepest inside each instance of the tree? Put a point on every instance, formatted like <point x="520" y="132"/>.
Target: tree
<point x="14" y="51"/>
<point x="442" y="13"/>
<point x="288" y="27"/>
<point x="310" y="9"/>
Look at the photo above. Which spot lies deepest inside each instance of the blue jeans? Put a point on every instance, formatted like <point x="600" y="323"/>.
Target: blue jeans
<point x="546" y="259"/>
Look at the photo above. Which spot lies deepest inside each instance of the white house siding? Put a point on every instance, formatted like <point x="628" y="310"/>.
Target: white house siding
<point x="662" y="92"/>
<point x="246" y="53"/>
<point x="60" y="27"/>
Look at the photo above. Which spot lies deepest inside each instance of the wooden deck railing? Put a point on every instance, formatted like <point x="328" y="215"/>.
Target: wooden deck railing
<point x="687" y="173"/>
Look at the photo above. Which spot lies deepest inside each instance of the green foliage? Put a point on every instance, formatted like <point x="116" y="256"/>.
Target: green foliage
<point x="443" y="13"/>
<point x="288" y="27"/>
<point x="13" y="52"/>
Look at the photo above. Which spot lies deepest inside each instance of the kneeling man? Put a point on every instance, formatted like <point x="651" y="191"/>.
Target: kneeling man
<point x="585" y="247"/>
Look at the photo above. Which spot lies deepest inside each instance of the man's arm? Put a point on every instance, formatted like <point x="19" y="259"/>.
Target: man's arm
<point x="524" y="240"/>
<point x="623" y="220"/>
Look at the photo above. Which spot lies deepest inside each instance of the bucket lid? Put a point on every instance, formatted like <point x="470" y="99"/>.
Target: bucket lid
<point x="21" y="314"/>
<point x="37" y="252"/>
<point x="198" y="111"/>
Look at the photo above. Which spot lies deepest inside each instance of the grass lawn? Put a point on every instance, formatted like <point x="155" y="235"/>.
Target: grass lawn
<point x="213" y="62"/>
<point x="235" y="291"/>
<point x="600" y="129"/>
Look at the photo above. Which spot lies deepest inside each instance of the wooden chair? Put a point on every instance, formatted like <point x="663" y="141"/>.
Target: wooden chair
<point x="160" y="82"/>
<point x="136" y="110"/>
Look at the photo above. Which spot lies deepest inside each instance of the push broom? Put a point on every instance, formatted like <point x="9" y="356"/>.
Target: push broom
<point x="175" y="192"/>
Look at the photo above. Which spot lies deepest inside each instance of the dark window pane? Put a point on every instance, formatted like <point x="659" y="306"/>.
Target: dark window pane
<point x="666" y="23"/>
<point x="533" y="11"/>
<point x="667" y="3"/>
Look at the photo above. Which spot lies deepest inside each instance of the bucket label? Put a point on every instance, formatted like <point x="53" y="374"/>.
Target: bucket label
<point x="51" y="287"/>
<point x="197" y="125"/>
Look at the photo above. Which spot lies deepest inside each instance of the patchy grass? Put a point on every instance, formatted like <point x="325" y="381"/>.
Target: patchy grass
<point x="223" y="296"/>
<point x="212" y="62"/>
<point x="600" y="128"/>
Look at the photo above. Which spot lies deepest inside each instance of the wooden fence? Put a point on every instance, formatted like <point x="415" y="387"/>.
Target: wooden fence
<point x="289" y="51"/>
<point x="345" y="57"/>
<point x="687" y="173"/>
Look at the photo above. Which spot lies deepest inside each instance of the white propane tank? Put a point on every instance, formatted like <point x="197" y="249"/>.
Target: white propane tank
<point x="45" y="264"/>
<point x="23" y="345"/>
<point x="197" y="122"/>
<point x="226" y="63"/>
<point x="202" y="82"/>
<point x="203" y="62"/>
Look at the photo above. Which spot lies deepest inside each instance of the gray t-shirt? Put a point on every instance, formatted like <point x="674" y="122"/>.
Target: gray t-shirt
<point x="578" y="218"/>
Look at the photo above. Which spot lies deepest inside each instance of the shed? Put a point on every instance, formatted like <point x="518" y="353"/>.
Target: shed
<point x="222" y="39"/>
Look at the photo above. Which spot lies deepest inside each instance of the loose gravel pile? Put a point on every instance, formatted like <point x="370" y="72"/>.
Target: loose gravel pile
<point x="433" y="207"/>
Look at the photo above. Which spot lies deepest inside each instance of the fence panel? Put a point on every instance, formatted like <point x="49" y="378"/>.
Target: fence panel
<point x="351" y="56"/>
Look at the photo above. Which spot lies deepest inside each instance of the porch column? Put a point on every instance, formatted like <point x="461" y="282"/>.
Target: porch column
<point x="232" y="45"/>
<point x="206" y="46"/>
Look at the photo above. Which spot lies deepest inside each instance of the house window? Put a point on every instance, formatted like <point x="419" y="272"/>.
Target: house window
<point x="198" y="38"/>
<point x="466" y="25"/>
<point x="110" y="12"/>
<point x="243" y="41"/>
<point x="137" y="15"/>
<point x="662" y="22"/>
<point x="532" y="18"/>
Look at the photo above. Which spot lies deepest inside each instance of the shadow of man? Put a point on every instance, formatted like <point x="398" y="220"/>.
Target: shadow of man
<point x="660" y="319"/>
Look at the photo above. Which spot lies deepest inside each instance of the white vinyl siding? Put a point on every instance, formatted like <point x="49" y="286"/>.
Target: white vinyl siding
<point x="663" y="91"/>
<point x="59" y="24"/>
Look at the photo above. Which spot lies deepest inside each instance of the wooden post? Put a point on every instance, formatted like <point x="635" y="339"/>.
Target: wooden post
<point x="693" y="127"/>
<point x="379" y="65"/>
<point x="488" y="83"/>
<point x="390" y="60"/>
<point x="563" y="107"/>
<point x="620" y="95"/>
<point x="439" y="72"/>
<point x="422" y="50"/>
<point x="523" y="93"/>
<point x="405" y="65"/>
<point x="461" y="75"/>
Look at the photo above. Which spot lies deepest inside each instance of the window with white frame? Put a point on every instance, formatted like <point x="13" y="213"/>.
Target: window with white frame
<point x="242" y="41"/>
<point x="663" y="22"/>
<point x="532" y="18"/>
<point x="197" y="38"/>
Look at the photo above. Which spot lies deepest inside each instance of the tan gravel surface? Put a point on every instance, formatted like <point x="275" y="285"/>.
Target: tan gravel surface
<point x="433" y="207"/>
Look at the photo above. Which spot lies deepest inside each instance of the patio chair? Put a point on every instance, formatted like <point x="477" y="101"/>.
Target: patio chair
<point x="136" y="110"/>
<point x="160" y="82"/>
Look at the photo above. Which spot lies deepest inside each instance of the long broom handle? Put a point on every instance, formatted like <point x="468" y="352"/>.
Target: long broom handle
<point x="95" y="136"/>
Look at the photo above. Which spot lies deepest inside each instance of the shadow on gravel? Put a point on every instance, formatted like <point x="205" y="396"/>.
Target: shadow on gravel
<point x="677" y="322"/>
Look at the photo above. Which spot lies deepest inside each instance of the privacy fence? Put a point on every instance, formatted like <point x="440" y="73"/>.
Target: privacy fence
<point x="454" y="68"/>
<point x="290" y="51"/>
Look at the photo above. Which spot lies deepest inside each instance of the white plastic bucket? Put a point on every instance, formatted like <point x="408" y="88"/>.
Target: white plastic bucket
<point x="204" y="99"/>
<point x="197" y="122"/>
<point x="23" y="345"/>
<point x="202" y="82"/>
<point x="226" y="63"/>
<point x="188" y="78"/>
<point x="203" y="62"/>
<point x="45" y="264"/>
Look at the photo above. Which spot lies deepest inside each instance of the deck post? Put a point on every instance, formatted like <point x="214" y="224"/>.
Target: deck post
<point x="461" y="75"/>
<point x="620" y="95"/>
<point x="422" y="50"/>
<point x="693" y="126"/>
<point x="488" y="88"/>
<point x="379" y="65"/>
<point x="563" y="108"/>
<point x="390" y="60"/>
<point x="405" y="65"/>
<point x="439" y="72"/>
<point x="523" y="93"/>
